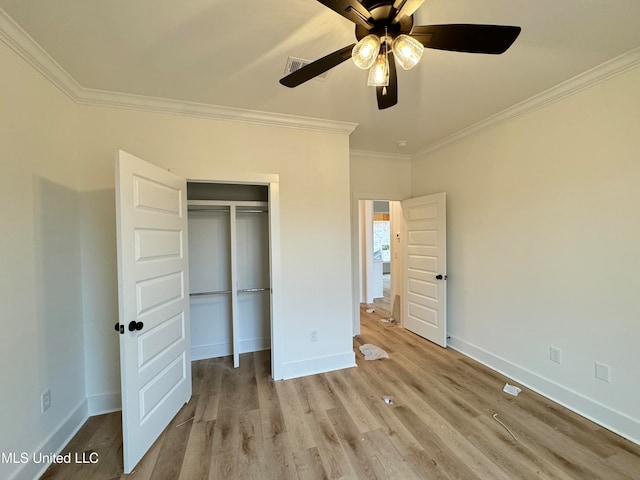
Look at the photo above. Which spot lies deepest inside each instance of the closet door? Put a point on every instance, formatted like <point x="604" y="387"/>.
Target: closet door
<point x="210" y="280"/>
<point x="252" y="273"/>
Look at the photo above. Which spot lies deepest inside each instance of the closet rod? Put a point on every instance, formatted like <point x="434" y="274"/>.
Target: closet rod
<point x="225" y="210"/>
<point x="249" y="290"/>
<point x="204" y="294"/>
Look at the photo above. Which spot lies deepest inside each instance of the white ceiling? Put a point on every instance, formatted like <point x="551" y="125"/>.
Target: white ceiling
<point x="232" y="53"/>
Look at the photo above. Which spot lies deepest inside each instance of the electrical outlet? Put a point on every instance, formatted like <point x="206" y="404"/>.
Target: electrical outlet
<point x="46" y="401"/>
<point x="313" y="335"/>
<point x="603" y="372"/>
<point x="555" y="354"/>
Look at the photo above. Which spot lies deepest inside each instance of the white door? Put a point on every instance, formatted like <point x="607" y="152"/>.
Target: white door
<point x="153" y="291"/>
<point x="425" y="264"/>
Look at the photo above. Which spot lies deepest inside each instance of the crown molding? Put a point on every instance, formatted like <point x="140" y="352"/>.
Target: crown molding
<point x="102" y="98"/>
<point x="26" y="47"/>
<point x="601" y="73"/>
<point x="380" y="155"/>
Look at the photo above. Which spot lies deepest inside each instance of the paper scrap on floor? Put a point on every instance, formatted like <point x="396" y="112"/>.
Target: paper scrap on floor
<point x="371" y="352"/>
<point x="511" y="389"/>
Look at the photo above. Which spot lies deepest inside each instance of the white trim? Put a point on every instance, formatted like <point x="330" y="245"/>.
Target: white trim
<point x="379" y="155"/>
<point x="103" y="98"/>
<point x="608" y="418"/>
<point x="202" y="352"/>
<point x="55" y="443"/>
<point x="104" y="403"/>
<point x="26" y="47"/>
<point x="609" y="69"/>
<point x="313" y="366"/>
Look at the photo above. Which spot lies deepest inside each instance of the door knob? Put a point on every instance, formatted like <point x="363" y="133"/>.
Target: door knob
<point x="133" y="326"/>
<point x="119" y="328"/>
<point x="440" y="277"/>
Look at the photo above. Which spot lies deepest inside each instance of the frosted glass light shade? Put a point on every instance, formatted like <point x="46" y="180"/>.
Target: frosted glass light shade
<point x="407" y="51"/>
<point x="365" y="52"/>
<point x="379" y="73"/>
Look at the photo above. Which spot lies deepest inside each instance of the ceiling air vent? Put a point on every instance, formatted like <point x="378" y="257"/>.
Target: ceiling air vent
<point x="294" y="64"/>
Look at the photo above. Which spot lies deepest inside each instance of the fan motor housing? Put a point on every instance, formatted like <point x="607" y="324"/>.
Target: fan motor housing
<point x="384" y="26"/>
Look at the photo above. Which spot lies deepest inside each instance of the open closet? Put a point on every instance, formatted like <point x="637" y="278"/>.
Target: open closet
<point x="229" y="271"/>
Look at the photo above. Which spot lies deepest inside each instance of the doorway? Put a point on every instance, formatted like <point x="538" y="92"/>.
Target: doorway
<point x="229" y="271"/>
<point x="379" y="256"/>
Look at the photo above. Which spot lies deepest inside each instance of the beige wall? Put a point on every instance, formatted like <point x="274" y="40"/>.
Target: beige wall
<point x="383" y="177"/>
<point x="543" y="234"/>
<point x="40" y="285"/>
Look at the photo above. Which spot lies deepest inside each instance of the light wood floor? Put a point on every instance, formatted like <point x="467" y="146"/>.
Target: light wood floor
<point x="242" y="425"/>
<point x="384" y="302"/>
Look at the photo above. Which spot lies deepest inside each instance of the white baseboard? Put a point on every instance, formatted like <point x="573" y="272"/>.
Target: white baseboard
<point x="202" y="352"/>
<point x="604" y="416"/>
<point x="54" y="444"/>
<point x="316" y="365"/>
<point x="105" y="403"/>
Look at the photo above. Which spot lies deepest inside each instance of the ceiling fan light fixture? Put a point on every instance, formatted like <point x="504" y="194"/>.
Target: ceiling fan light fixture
<point x="379" y="73"/>
<point x="365" y="52"/>
<point x="407" y="51"/>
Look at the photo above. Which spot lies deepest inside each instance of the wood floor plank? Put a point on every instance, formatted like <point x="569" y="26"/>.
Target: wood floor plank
<point x="390" y="459"/>
<point x="198" y="452"/>
<point x="294" y="416"/>
<point x="352" y="400"/>
<point x="172" y="451"/>
<point x="334" y="458"/>
<point x="280" y="462"/>
<point x="226" y="431"/>
<point x="273" y="423"/>
<point x="354" y="443"/>
<point x="309" y="465"/>
<point x="442" y="454"/>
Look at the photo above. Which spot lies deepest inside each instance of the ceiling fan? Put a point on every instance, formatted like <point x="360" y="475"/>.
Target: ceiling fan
<point x="386" y="34"/>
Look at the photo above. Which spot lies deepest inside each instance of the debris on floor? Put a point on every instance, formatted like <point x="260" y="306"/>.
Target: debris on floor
<point x="370" y="310"/>
<point x="495" y="417"/>
<point x="511" y="389"/>
<point x="371" y="352"/>
<point x="389" y="322"/>
<point x="388" y="399"/>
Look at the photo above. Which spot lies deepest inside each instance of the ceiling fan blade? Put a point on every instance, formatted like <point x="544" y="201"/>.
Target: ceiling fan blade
<point x="405" y="8"/>
<point x="352" y="10"/>
<point x="494" y="39"/>
<point x="388" y="96"/>
<point x="318" y="67"/>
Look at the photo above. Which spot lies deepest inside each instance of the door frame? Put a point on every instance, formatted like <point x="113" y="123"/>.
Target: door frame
<point x="272" y="182"/>
<point x="356" y="249"/>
